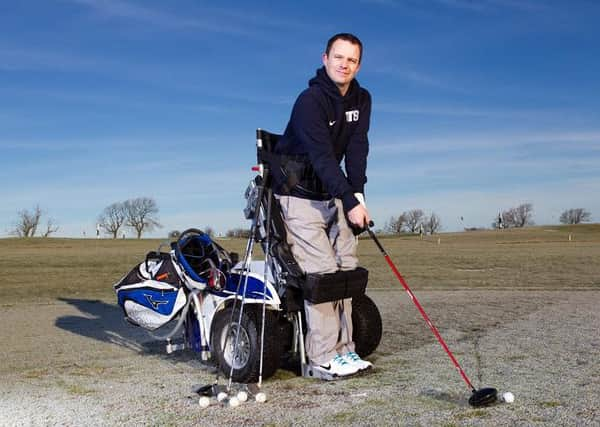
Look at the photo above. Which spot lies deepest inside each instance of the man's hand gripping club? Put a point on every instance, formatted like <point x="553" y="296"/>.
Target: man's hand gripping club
<point x="358" y="216"/>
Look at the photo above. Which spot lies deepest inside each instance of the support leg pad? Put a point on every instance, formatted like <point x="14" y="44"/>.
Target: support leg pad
<point x="319" y="288"/>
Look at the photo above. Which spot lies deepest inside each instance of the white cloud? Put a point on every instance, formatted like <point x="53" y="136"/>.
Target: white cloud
<point x="469" y="5"/>
<point x="246" y="22"/>
<point x="15" y="59"/>
<point x="132" y="11"/>
<point x="142" y="74"/>
<point x="408" y="73"/>
<point x="131" y="101"/>
<point x="492" y="5"/>
<point x="462" y="111"/>
<point x="490" y="139"/>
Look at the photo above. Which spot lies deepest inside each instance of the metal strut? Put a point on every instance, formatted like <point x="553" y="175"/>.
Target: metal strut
<point x="263" y="172"/>
<point x="267" y="226"/>
<point x="244" y="279"/>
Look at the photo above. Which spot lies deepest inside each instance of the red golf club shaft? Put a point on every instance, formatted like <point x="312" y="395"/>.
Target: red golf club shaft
<point x="418" y="305"/>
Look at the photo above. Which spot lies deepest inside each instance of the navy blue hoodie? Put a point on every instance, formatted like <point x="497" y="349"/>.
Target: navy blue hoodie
<point x="328" y="127"/>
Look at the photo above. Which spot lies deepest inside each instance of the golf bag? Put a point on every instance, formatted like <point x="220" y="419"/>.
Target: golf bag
<point x="152" y="294"/>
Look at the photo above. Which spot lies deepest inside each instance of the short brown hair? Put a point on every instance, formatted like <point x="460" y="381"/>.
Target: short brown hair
<point x="347" y="37"/>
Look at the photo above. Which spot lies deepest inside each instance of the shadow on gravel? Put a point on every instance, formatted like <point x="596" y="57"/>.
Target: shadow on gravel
<point x="104" y="322"/>
<point x="443" y="396"/>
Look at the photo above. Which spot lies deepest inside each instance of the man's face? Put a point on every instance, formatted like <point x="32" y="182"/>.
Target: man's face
<point x="342" y="63"/>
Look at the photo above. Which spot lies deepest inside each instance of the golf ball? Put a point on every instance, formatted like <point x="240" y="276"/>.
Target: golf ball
<point x="242" y="396"/>
<point x="508" y="397"/>
<point x="261" y="397"/>
<point x="204" y="402"/>
<point x="221" y="396"/>
<point x="233" y="402"/>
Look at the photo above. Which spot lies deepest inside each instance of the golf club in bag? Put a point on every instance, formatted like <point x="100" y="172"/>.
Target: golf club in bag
<point x="482" y="397"/>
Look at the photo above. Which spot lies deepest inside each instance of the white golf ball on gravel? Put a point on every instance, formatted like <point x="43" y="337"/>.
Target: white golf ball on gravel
<point x="242" y="396"/>
<point x="260" y="397"/>
<point x="508" y="397"/>
<point x="204" y="402"/>
<point x="233" y="402"/>
<point x="221" y="396"/>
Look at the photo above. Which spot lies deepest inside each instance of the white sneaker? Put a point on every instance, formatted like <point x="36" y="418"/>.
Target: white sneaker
<point x="354" y="359"/>
<point x="337" y="367"/>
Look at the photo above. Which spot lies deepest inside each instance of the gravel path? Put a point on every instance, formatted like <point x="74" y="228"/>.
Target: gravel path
<point x="76" y="362"/>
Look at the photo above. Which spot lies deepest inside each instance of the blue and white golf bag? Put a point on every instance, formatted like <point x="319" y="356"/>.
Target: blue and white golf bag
<point x="153" y="293"/>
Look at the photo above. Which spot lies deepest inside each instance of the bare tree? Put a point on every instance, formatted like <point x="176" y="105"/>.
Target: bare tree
<point x="411" y="221"/>
<point x="414" y="219"/>
<point x="432" y="224"/>
<point x="389" y="226"/>
<point x="515" y="217"/>
<point x="396" y="225"/>
<point x="51" y="227"/>
<point x="27" y="222"/>
<point x="509" y="218"/>
<point x="112" y="218"/>
<point x="523" y="215"/>
<point x="575" y="216"/>
<point x="141" y="214"/>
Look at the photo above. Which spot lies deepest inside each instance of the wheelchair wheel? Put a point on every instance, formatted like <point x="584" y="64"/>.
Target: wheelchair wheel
<point x="366" y="325"/>
<point x="246" y="361"/>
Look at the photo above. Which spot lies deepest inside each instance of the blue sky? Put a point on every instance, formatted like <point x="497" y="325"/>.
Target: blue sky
<point x="478" y="106"/>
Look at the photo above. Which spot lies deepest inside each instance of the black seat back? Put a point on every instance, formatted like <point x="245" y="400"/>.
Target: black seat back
<point x="268" y="141"/>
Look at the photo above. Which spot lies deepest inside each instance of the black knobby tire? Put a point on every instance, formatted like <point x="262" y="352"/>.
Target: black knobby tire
<point x="366" y="325"/>
<point x="247" y="364"/>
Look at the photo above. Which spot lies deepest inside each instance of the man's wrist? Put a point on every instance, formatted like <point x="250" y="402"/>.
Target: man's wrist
<point x="361" y="199"/>
<point x="349" y="201"/>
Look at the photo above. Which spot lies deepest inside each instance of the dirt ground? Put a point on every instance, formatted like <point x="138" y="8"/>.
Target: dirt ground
<point x="74" y="361"/>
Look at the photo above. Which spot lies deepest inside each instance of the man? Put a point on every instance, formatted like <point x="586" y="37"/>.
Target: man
<point x="329" y="122"/>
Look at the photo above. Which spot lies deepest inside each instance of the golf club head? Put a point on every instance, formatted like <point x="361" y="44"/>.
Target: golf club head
<point x="208" y="390"/>
<point x="483" y="397"/>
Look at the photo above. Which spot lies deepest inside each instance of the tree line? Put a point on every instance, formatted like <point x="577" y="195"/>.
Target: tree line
<point x="413" y="221"/>
<point x="141" y="215"/>
<point x="416" y="221"/>
<point x="522" y="216"/>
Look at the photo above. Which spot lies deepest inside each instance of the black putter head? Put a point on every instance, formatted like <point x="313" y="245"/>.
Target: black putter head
<point x="209" y="390"/>
<point x="483" y="397"/>
<point x="203" y="390"/>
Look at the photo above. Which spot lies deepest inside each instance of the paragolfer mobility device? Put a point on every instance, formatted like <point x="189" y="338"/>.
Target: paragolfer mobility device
<point x="246" y="316"/>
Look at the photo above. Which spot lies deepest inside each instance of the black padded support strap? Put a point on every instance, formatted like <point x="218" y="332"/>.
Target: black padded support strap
<point x="319" y="288"/>
<point x="294" y="175"/>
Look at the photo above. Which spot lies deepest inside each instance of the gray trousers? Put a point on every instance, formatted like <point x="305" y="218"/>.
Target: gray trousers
<point x="322" y="242"/>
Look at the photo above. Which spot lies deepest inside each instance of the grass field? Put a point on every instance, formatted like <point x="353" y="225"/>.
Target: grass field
<point x="517" y="307"/>
<point x="531" y="258"/>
